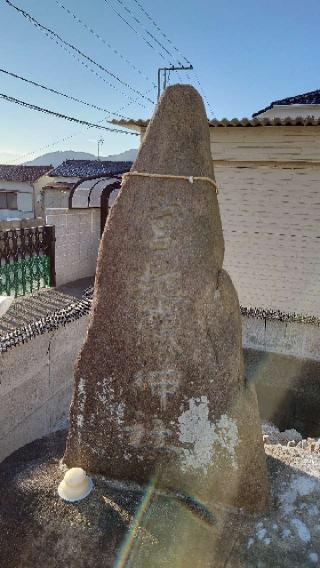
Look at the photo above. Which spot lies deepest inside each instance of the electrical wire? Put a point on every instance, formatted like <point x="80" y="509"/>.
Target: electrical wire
<point x="145" y="29"/>
<point x="134" y="17"/>
<point x="64" y="116"/>
<point x="46" y="147"/>
<point x="51" y="90"/>
<point x="104" y="41"/>
<point x="164" y="35"/>
<point x="53" y="35"/>
<point x="73" y="135"/>
<point x="136" y="31"/>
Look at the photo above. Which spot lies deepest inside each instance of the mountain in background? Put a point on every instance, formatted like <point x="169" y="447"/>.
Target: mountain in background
<point x="56" y="158"/>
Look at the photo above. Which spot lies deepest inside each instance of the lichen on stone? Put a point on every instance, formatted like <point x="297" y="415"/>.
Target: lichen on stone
<point x="203" y="439"/>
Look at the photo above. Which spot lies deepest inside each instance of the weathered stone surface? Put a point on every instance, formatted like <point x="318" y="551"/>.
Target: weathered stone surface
<point x="159" y="383"/>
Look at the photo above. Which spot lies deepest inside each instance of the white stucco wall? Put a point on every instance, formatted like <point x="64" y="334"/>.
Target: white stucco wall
<point x="24" y="200"/>
<point x="38" y="185"/>
<point x="77" y="241"/>
<point x="271" y="223"/>
<point x="36" y="384"/>
<point x="269" y="180"/>
<point x="56" y="199"/>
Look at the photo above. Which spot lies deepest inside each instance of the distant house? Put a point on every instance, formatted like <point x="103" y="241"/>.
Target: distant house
<point x="19" y="186"/>
<point x="307" y="104"/>
<point x="83" y="174"/>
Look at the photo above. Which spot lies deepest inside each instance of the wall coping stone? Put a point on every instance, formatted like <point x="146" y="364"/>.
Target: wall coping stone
<point x="74" y="311"/>
<point x="80" y="308"/>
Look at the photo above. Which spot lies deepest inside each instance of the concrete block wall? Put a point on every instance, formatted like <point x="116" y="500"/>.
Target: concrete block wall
<point x="36" y="384"/>
<point x="286" y="338"/>
<point x="77" y="242"/>
<point x="283" y="361"/>
<point x="36" y="378"/>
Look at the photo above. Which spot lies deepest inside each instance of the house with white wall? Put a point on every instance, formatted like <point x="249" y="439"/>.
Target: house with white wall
<point x="303" y="106"/>
<point x="72" y="202"/>
<point x="19" y="186"/>
<point x="268" y="172"/>
<point x="62" y="179"/>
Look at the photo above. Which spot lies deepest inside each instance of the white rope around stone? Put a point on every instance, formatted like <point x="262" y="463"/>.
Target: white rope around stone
<point x="190" y="179"/>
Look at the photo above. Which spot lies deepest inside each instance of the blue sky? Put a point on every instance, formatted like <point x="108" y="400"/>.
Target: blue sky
<point x="246" y="53"/>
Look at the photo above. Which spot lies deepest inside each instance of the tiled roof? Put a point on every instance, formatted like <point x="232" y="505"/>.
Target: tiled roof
<point x="311" y="98"/>
<point x="226" y="122"/>
<point x="88" y="168"/>
<point x="22" y="173"/>
<point x="266" y="121"/>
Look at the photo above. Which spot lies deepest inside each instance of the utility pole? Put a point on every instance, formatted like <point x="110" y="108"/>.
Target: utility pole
<point x="100" y="141"/>
<point x="165" y="69"/>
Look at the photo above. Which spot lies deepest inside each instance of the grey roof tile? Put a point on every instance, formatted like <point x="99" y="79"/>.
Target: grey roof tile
<point x="88" y="168"/>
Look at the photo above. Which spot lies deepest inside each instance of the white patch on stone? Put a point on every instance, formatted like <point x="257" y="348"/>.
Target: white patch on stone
<point x="136" y="433"/>
<point x="261" y="534"/>
<point x="216" y="295"/>
<point x="302" y="530"/>
<point x="203" y="438"/>
<point x="107" y="398"/>
<point x="81" y="403"/>
<point x="313" y="557"/>
<point x="286" y="533"/>
<point x="250" y="543"/>
<point x="163" y="383"/>
<point x="160" y="433"/>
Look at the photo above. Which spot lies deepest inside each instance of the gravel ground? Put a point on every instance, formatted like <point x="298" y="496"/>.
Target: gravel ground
<point x="126" y="525"/>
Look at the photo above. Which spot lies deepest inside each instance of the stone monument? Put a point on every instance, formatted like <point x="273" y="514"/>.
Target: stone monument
<point x="159" y="389"/>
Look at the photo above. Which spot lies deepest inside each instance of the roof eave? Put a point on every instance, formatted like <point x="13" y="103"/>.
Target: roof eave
<point x="236" y="122"/>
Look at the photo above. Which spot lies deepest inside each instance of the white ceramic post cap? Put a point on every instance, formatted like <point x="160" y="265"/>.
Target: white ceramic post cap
<point x="76" y="485"/>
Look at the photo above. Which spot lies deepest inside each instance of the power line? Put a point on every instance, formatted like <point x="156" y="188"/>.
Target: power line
<point x="203" y="93"/>
<point x="157" y="27"/>
<point x="46" y="147"/>
<point x="134" y="29"/>
<point x="104" y="41"/>
<point x="64" y="116"/>
<point x="144" y="11"/>
<point x="51" y="90"/>
<point x="76" y="133"/>
<point x="134" y="17"/>
<point x="54" y="35"/>
<point x="145" y="29"/>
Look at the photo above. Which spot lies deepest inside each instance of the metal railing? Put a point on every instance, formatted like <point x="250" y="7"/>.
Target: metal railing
<point x="27" y="260"/>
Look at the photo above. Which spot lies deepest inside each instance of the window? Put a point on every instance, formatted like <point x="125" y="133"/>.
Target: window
<point x="8" y="200"/>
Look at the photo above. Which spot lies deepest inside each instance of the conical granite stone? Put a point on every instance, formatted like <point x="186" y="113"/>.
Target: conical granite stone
<point x="159" y="383"/>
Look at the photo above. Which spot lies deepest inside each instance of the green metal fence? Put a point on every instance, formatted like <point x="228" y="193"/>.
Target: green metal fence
<point x="27" y="260"/>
